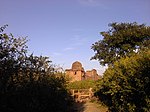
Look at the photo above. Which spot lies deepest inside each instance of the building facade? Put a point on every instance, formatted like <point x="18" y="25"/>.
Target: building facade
<point x="77" y="73"/>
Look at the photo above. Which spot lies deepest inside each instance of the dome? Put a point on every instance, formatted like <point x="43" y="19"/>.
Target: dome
<point x="77" y="66"/>
<point x="94" y="71"/>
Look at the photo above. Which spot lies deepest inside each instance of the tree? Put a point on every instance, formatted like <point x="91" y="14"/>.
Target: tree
<point x="125" y="85"/>
<point x="27" y="82"/>
<point x="12" y="55"/>
<point x="121" y="40"/>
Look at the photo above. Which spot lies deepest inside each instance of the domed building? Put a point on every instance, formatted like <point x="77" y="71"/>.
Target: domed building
<point x="77" y="66"/>
<point x="77" y="73"/>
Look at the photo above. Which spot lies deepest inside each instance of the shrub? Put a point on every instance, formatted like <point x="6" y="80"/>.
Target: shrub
<point x="125" y="85"/>
<point x="84" y="84"/>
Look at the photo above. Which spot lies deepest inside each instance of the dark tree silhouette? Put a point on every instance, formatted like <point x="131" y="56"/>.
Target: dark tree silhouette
<point x="27" y="82"/>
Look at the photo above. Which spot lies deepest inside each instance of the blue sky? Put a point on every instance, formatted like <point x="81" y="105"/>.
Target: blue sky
<point x="65" y="30"/>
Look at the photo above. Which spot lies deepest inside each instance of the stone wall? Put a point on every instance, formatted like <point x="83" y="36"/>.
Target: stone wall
<point x="77" y="73"/>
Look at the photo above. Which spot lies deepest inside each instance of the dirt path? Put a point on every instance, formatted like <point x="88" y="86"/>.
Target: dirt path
<point x="89" y="107"/>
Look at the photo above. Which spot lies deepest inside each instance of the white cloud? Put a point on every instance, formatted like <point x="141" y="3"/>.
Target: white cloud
<point x="89" y="2"/>
<point x="68" y="49"/>
<point x="78" y="40"/>
<point x="56" y="54"/>
<point x="78" y="29"/>
<point x="104" y="4"/>
<point x="76" y="37"/>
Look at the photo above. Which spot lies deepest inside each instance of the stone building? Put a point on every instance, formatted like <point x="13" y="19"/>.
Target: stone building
<point x="77" y="73"/>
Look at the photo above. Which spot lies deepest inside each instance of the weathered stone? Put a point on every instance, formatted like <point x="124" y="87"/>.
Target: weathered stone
<point x="77" y="73"/>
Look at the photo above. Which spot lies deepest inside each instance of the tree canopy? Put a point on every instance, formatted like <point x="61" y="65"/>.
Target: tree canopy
<point x="121" y="40"/>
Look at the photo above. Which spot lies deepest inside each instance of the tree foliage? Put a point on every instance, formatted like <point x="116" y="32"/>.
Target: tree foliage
<point x="27" y="82"/>
<point x="121" y="40"/>
<point x="12" y="56"/>
<point x="125" y="85"/>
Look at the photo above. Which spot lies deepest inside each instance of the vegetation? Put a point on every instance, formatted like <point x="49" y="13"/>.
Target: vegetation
<point x="27" y="82"/>
<point x="125" y="84"/>
<point x="85" y="84"/>
<point x="121" y="40"/>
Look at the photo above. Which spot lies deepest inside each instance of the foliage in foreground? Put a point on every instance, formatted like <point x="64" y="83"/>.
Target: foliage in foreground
<point x="125" y="85"/>
<point x="27" y="82"/>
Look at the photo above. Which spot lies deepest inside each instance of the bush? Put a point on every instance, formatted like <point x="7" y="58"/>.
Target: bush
<point x="45" y="96"/>
<point x="125" y="85"/>
<point x="85" y="84"/>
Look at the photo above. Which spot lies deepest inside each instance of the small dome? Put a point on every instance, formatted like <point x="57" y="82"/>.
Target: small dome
<point x="94" y="71"/>
<point x="77" y="66"/>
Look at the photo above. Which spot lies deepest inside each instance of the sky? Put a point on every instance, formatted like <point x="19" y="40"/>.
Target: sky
<point x="65" y="30"/>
